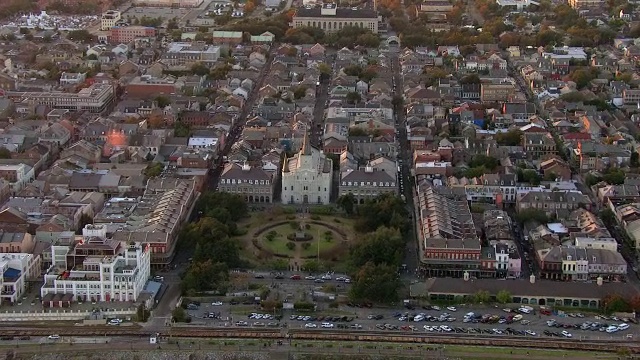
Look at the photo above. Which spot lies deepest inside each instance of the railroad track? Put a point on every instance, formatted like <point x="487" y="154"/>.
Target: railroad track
<point x="328" y="335"/>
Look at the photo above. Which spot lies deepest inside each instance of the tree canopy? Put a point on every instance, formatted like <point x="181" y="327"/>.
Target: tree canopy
<point x="215" y="251"/>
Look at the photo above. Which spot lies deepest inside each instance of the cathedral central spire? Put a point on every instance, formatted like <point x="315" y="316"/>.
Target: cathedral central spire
<point x="306" y="147"/>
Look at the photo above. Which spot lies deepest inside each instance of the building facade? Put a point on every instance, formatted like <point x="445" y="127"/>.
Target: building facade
<point x="170" y="3"/>
<point x="127" y="34"/>
<point x="97" y="268"/>
<point x="95" y="98"/>
<point x="331" y="18"/>
<point x="496" y="92"/>
<point x="109" y="19"/>
<point x="378" y="177"/>
<point x="253" y="183"/>
<point x="580" y="4"/>
<point x="17" y="175"/>
<point x="307" y="177"/>
<point x="190" y="53"/>
<point x="17" y="269"/>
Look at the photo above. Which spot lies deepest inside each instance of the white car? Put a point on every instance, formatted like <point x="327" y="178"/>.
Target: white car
<point x="418" y="318"/>
<point x="427" y="327"/>
<point x="529" y="332"/>
<point x="565" y="333"/>
<point x="53" y="337"/>
<point x="309" y="277"/>
<point x="115" y="322"/>
<point x="310" y="326"/>
<point x="327" y="325"/>
<point x="217" y="303"/>
<point x="436" y="308"/>
<point x="445" y="328"/>
<point x="452" y="308"/>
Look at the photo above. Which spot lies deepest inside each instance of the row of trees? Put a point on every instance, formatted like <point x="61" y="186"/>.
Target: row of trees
<point x="375" y="258"/>
<point x="211" y="237"/>
<point x="348" y="36"/>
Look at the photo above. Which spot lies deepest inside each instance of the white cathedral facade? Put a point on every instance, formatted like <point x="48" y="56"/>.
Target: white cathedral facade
<point x="307" y="177"/>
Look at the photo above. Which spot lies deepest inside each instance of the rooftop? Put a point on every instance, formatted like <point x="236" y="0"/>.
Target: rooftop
<point x="345" y="13"/>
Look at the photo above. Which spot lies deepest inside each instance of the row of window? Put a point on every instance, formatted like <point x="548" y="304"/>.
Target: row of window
<point x="246" y="190"/>
<point x="452" y="256"/>
<point x="368" y="183"/>
<point x="241" y="181"/>
<point x="305" y="188"/>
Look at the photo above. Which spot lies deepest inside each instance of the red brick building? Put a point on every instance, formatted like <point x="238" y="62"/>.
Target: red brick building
<point x="128" y="34"/>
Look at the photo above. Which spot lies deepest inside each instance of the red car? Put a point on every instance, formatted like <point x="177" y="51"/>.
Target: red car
<point x="295" y="277"/>
<point x="545" y="312"/>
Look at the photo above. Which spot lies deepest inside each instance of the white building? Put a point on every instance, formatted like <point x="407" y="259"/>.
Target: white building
<point x="16" y="270"/>
<point x="184" y="53"/>
<point x="72" y="78"/>
<point x="17" y="175"/>
<point x="307" y="176"/>
<point x="98" y="269"/>
<point x="109" y="19"/>
<point x="517" y="4"/>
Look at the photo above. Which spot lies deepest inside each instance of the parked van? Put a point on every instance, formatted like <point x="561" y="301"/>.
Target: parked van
<point x="623" y="326"/>
<point x="611" y="329"/>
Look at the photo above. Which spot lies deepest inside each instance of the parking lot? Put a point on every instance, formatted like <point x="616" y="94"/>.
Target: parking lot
<point x="478" y="321"/>
<point x="155" y="12"/>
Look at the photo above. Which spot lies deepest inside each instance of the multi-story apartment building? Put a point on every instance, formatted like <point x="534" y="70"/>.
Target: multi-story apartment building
<point x="580" y="4"/>
<point x="251" y="182"/>
<point x="331" y="18"/>
<point x="490" y="93"/>
<point x="493" y="188"/>
<point x="97" y="268"/>
<point x="109" y="19"/>
<point x="17" y="175"/>
<point x="446" y="230"/>
<point x="17" y="242"/>
<point x="17" y="269"/>
<point x="158" y="216"/>
<point x="379" y="176"/>
<point x="573" y="263"/>
<point x="147" y="86"/>
<point x="95" y="98"/>
<point x="181" y="53"/>
<point x="591" y="155"/>
<point x="631" y="96"/>
<point x="436" y="6"/>
<point x="538" y="145"/>
<point x="127" y="34"/>
<point x="552" y="201"/>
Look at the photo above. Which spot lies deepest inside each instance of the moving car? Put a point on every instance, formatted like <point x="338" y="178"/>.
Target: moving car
<point x="216" y="303"/>
<point x="310" y="326"/>
<point x="53" y="337"/>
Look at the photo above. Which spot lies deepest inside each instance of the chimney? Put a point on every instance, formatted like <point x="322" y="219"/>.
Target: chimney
<point x="532" y="279"/>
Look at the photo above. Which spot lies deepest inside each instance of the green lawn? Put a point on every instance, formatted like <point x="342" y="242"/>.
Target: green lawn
<point x="279" y="244"/>
<point x="323" y="244"/>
